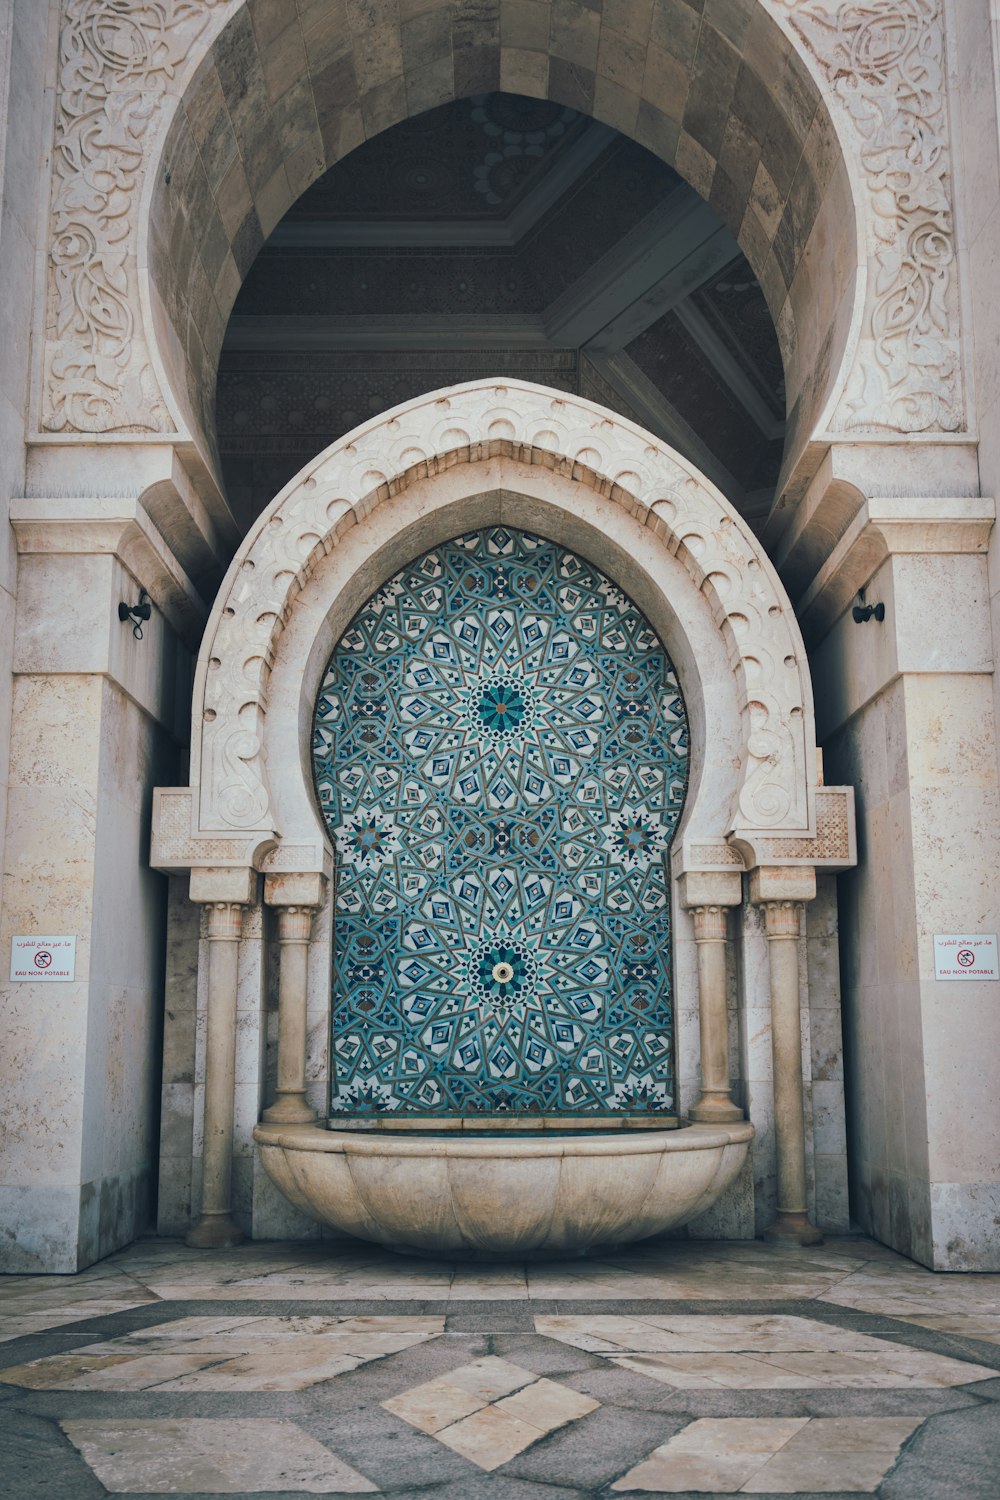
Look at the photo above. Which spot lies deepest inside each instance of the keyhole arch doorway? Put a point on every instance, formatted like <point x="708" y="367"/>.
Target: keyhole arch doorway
<point x="500" y="754"/>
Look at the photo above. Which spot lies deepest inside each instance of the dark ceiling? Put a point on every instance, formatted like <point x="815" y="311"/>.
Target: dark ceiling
<point x="500" y="236"/>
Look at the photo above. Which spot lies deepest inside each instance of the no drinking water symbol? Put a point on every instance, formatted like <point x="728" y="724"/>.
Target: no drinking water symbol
<point x="43" y="958"/>
<point x="966" y="957"/>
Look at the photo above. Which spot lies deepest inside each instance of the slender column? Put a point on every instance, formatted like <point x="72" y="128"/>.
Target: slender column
<point x="783" y="922"/>
<point x="710" y="931"/>
<point x="215" y="1229"/>
<point x="294" y="930"/>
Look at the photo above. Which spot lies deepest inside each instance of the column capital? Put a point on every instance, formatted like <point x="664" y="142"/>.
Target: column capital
<point x="295" y="923"/>
<point x="710" y="923"/>
<point x="783" y="919"/>
<point x="225" y="920"/>
<point x="770" y="883"/>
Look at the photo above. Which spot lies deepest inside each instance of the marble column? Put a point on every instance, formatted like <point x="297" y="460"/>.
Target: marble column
<point x="783" y="924"/>
<point x="294" y="931"/>
<point x="708" y="895"/>
<point x="215" y="1228"/>
<point x="710" y="933"/>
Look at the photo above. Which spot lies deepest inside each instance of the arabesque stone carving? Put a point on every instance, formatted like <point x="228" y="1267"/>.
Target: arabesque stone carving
<point x="117" y="59"/>
<point x="884" y="61"/>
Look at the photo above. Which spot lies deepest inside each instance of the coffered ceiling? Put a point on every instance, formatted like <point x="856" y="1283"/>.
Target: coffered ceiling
<point x="501" y="236"/>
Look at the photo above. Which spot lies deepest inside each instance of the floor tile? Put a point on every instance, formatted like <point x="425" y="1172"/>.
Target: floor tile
<point x="490" y="1409"/>
<point x="508" y="1402"/>
<point x="434" y="1405"/>
<point x="491" y="1377"/>
<point x="963" y="1325"/>
<point x="833" y="1455"/>
<point x="212" y="1457"/>
<point x="714" y="1454"/>
<point x="227" y="1354"/>
<point x="489" y="1437"/>
<point x="756" y="1353"/>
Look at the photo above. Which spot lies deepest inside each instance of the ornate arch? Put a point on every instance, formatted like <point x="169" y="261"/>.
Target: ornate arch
<point x="227" y="816"/>
<point x="217" y="115"/>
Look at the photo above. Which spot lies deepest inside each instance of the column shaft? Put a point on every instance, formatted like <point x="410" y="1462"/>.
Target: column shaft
<point x="715" y="1103"/>
<point x="783" y="922"/>
<point x="215" y="1229"/>
<point x="290" y="1107"/>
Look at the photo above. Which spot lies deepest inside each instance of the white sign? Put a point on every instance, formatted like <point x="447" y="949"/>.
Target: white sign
<point x="966" y="955"/>
<point x="43" y="959"/>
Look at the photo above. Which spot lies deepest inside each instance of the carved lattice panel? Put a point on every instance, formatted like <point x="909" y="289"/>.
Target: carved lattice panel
<point x="500" y="753"/>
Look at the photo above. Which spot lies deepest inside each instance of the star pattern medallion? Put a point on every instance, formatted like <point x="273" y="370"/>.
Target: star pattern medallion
<point x="500" y="753"/>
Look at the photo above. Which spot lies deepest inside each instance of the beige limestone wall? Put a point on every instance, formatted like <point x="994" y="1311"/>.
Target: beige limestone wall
<point x="24" y="123"/>
<point x="976" y="32"/>
<point x="94" y="729"/>
<point x="907" y="713"/>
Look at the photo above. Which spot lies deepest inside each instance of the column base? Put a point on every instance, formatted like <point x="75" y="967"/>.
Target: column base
<point x="290" y="1109"/>
<point x="715" y="1109"/>
<point x="792" y="1229"/>
<point x="214" y="1232"/>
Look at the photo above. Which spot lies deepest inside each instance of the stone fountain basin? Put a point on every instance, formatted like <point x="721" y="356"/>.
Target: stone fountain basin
<point x="503" y="1195"/>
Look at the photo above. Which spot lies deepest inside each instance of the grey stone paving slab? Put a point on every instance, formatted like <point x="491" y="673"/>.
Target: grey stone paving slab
<point x="38" y="1462"/>
<point x="596" y="1450"/>
<point x="952" y="1457"/>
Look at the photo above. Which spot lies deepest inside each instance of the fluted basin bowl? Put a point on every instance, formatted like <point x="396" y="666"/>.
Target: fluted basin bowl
<point x="504" y="1195"/>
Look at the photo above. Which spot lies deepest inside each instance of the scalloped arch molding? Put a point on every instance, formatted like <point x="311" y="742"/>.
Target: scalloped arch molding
<point x="231" y="812"/>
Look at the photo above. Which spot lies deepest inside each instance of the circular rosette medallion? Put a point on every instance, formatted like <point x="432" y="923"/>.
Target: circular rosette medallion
<point x="501" y="973"/>
<point x="501" y="707"/>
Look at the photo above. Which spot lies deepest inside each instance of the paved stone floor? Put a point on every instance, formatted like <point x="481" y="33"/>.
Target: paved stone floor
<point x="666" y="1369"/>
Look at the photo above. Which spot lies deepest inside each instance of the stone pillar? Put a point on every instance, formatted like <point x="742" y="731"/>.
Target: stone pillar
<point x="708" y="896"/>
<point x="296" y="898"/>
<point x="294" y="929"/>
<point x="215" y="1228"/>
<point x="783" y="893"/>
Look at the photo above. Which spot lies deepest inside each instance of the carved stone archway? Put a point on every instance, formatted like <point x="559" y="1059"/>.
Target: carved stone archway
<point x="409" y="479"/>
<point x="223" y="114"/>
<point x="230" y="801"/>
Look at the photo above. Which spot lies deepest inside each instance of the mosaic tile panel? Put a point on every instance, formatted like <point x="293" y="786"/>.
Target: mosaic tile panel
<point x="500" y="753"/>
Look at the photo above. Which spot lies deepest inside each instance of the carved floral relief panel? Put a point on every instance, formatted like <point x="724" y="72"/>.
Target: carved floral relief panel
<point x="884" y="63"/>
<point x="500" y="754"/>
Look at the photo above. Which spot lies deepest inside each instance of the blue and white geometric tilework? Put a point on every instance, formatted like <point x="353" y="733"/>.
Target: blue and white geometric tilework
<point x="500" y="753"/>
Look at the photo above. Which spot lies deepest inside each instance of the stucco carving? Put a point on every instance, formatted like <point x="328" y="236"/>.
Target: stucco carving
<point x="835" y="844"/>
<point x="884" y="62"/>
<point x="117" y="59"/>
<point x="613" y="460"/>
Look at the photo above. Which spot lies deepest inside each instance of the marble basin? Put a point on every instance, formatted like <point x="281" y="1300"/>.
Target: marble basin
<point x="503" y="1195"/>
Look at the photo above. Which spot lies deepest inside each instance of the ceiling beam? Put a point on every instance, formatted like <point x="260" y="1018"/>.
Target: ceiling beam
<point x="291" y="335"/>
<point x="664" y="420"/>
<point x="370" y="234"/>
<point x="669" y="253"/>
<point x="729" y="368"/>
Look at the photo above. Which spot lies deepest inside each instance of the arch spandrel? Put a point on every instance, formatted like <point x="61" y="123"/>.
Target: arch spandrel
<point x="226" y="113"/>
<point x="606" y="461"/>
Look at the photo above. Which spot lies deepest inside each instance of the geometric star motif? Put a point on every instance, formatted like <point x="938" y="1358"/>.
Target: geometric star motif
<point x="500" y="754"/>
